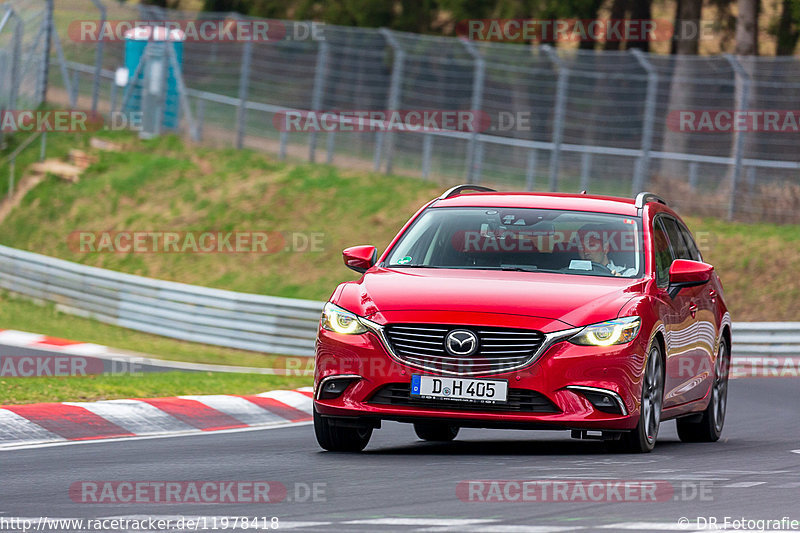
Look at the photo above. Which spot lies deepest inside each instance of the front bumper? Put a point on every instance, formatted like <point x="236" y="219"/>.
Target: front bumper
<point x="617" y="369"/>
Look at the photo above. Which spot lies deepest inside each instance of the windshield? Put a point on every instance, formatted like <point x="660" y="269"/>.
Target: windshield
<point x="536" y="240"/>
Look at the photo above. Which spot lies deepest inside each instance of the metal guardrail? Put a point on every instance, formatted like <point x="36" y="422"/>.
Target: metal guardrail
<point x="232" y="319"/>
<point x="766" y="338"/>
<point x="187" y="312"/>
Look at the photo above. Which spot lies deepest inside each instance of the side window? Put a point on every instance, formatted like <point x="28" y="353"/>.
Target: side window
<point x="694" y="252"/>
<point x="679" y="249"/>
<point x="663" y="255"/>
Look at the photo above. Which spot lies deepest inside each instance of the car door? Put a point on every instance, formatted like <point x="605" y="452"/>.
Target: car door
<point x="688" y="368"/>
<point x="707" y="316"/>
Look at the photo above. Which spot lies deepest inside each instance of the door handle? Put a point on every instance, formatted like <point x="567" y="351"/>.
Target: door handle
<point x="693" y="309"/>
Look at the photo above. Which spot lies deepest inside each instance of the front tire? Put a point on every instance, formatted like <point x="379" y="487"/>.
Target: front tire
<point x="435" y="432"/>
<point x="335" y="438"/>
<point x="708" y="426"/>
<point x="643" y="438"/>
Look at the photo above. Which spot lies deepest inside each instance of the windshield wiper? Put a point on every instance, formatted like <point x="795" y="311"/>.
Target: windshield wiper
<point x="520" y="268"/>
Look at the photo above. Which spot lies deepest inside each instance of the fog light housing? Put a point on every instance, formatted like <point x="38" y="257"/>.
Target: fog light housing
<point x="332" y="387"/>
<point x="603" y="400"/>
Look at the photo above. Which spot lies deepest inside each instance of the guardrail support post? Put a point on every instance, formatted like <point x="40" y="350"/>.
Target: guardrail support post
<point x="562" y="85"/>
<point x="244" y="82"/>
<point x="642" y="169"/>
<point x="316" y="96"/>
<point x="741" y="105"/>
<point x="474" y="154"/>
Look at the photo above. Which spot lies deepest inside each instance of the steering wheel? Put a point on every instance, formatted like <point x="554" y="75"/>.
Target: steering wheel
<point x="601" y="267"/>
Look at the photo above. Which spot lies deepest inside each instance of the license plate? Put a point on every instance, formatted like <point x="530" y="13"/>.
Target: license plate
<point x="458" y="389"/>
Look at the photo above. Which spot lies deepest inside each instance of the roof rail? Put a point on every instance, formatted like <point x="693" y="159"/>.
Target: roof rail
<point x="644" y="197"/>
<point x="458" y="189"/>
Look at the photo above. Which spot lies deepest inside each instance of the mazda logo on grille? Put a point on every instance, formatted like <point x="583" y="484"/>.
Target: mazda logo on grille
<point x="461" y="342"/>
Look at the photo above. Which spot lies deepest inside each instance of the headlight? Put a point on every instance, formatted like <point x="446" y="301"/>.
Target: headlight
<point x="618" y="331"/>
<point x="334" y="318"/>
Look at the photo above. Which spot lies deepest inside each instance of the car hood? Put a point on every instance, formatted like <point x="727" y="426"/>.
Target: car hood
<point x="388" y="295"/>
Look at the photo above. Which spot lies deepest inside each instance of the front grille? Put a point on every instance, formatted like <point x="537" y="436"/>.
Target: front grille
<point x="499" y="349"/>
<point x="521" y="400"/>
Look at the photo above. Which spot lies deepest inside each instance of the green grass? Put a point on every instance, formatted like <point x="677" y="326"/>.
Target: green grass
<point x="164" y="184"/>
<point x="143" y="385"/>
<point x="24" y="315"/>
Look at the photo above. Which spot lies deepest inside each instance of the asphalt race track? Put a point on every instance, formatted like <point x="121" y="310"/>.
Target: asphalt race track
<point x="402" y="484"/>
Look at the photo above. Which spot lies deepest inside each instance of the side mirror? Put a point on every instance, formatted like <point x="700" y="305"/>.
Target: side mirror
<point x="360" y="258"/>
<point x="685" y="273"/>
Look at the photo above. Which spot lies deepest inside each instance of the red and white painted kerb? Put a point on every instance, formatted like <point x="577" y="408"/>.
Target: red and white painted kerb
<point x="34" y="340"/>
<point x="44" y="423"/>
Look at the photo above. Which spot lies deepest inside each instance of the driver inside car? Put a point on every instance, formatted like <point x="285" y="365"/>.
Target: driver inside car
<point x="595" y="243"/>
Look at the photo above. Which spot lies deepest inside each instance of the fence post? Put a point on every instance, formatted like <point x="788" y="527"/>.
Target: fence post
<point x="330" y="146"/>
<point x="317" y="94"/>
<point x="183" y="96"/>
<point x="474" y="165"/>
<point x="586" y="167"/>
<point x="16" y="57"/>
<point x="98" y="56"/>
<point x="62" y="63"/>
<point x="395" y="88"/>
<point x="427" y="149"/>
<point x="284" y="136"/>
<point x="17" y="38"/>
<point x="562" y="85"/>
<point x="244" y="82"/>
<point x="642" y="169"/>
<point x="47" y="28"/>
<point x="738" y="148"/>
<point x="201" y="115"/>
<point x="376" y="157"/>
<point x="693" y="175"/>
<point x="530" y="171"/>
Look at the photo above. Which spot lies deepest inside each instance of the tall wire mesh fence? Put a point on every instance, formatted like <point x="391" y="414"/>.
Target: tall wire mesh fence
<point x="601" y="121"/>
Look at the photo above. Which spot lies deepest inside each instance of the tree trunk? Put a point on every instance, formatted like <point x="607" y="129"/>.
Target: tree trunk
<point x="687" y="27"/>
<point x="747" y="27"/>
<point x="788" y="28"/>
<point x="619" y="10"/>
<point x="641" y="11"/>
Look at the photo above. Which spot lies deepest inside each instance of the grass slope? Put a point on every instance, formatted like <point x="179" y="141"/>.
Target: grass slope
<point x="165" y="185"/>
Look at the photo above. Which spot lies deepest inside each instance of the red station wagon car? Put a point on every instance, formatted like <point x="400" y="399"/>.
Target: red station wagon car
<point x="531" y="311"/>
